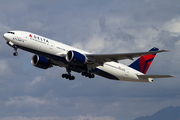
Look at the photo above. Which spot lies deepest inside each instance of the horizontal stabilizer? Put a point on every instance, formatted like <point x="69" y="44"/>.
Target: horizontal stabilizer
<point x="155" y="76"/>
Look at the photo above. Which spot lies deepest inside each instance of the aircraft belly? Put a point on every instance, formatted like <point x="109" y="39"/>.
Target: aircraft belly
<point x="103" y="73"/>
<point x="118" y="74"/>
<point x="125" y="74"/>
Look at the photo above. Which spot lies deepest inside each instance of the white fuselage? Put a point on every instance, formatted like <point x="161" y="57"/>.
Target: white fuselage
<point x="36" y="43"/>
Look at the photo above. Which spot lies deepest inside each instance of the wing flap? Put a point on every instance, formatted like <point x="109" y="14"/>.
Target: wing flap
<point x="155" y="76"/>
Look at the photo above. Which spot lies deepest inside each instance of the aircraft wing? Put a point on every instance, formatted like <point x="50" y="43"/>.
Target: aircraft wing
<point x="99" y="59"/>
<point x="155" y="76"/>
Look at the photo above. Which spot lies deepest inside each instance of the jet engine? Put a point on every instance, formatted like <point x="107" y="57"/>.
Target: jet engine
<point x="76" y="57"/>
<point x="40" y="62"/>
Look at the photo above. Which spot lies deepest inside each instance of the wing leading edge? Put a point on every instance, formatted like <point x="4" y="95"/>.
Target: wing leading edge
<point x="100" y="59"/>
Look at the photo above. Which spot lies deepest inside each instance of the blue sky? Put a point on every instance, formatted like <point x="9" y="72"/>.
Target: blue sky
<point x="98" y="26"/>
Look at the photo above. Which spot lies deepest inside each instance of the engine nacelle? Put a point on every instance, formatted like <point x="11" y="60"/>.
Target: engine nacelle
<point x="40" y="62"/>
<point x="76" y="57"/>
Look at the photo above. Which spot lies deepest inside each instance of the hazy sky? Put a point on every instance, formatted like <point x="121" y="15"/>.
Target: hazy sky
<point x="98" y="26"/>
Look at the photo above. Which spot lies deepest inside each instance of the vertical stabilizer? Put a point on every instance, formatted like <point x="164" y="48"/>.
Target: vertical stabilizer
<point x="143" y="63"/>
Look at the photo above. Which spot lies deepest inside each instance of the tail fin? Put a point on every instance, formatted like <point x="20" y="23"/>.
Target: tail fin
<point x="143" y="63"/>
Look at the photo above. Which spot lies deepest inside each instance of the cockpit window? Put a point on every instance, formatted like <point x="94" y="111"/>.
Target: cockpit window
<point x="11" y="32"/>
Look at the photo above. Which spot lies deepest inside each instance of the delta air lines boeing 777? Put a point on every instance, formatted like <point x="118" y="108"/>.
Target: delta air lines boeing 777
<point x="49" y="53"/>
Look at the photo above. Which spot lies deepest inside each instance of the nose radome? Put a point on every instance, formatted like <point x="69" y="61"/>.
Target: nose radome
<point x="6" y="36"/>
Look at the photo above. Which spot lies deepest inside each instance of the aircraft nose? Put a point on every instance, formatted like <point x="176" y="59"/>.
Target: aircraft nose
<point x="6" y="36"/>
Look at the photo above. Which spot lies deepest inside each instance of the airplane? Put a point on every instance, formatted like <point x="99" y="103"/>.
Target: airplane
<point x="49" y="53"/>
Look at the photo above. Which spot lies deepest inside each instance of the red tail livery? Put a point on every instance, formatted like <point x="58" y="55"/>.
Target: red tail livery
<point x="143" y="63"/>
